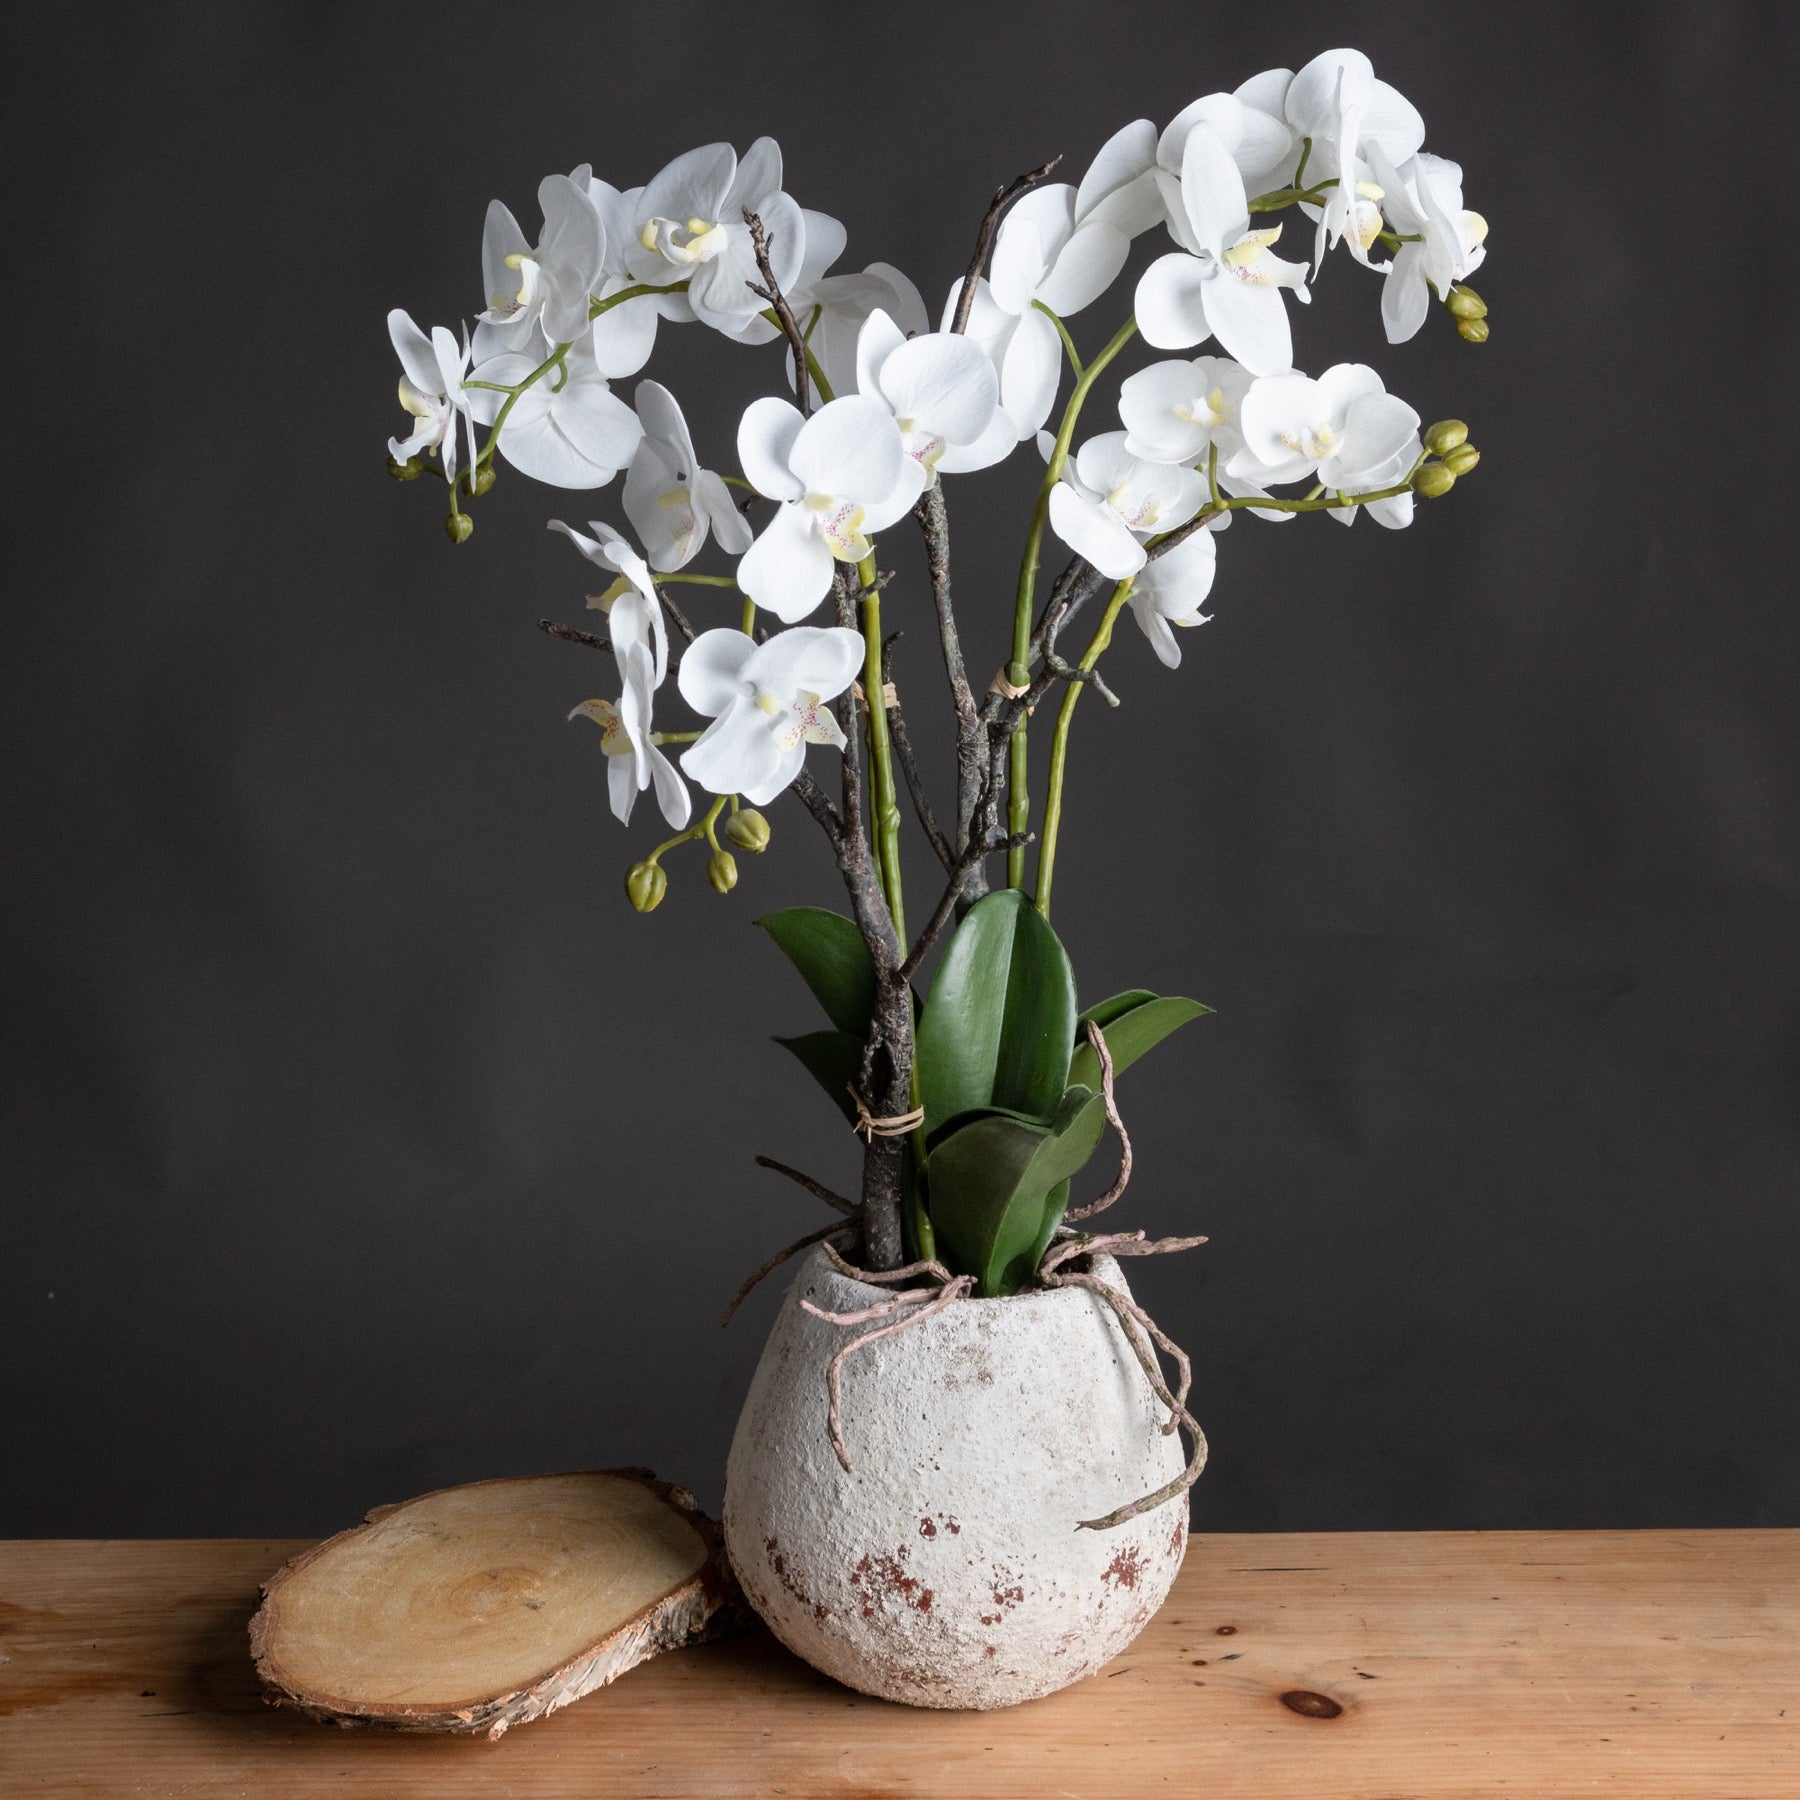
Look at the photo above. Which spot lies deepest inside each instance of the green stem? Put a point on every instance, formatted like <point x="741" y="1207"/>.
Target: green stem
<point x="725" y="581"/>
<point x="885" y="802"/>
<point x="1062" y="331"/>
<point x="702" y="830"/>
<point x="1059" y="744"/>
<point x="1018" y="804"/>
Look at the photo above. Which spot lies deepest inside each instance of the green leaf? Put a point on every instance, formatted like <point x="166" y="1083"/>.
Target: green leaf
<point x="834" y="1060"/>
<point x="1106" y="1011"/>
<point x="1130" y="1033"/>
<point x="996" y="1182"/>
<point x="832" y="958"/>
<point x="1000" y="1019"/>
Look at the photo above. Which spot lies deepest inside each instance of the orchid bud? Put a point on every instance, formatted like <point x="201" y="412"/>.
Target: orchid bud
<point x="749" y="830"/>
<point x="1462" y="459"/>
<point x="1434" y="481"/>
<point x="410" y="470"/>
<point x="459" y="528"/>
<point x="645" y="885"/>
<point x="1445" y="435"/>
<point x="721" y="871"/>
<point x="478" y="481"/>
<point x="1465" y="303"/>
<point x="1474" y="331"/>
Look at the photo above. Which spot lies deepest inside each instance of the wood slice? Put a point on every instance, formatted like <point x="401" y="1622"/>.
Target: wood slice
<point x="477" y="1608"/>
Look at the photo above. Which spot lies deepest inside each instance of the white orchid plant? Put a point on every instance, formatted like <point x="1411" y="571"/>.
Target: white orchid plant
<point x="979" y="1100"/>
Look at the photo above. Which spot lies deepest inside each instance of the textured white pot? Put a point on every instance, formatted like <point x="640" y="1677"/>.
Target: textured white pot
<point x="948" y="1570"/>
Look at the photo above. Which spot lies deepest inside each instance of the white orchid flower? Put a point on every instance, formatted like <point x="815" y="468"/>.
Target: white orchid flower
<point x="1337" y="102"/>
<point x="767" y="702"/>
<point x="942" y="391"/>
<point x="1178" y="411"/>
<point x="624" y="335"/>
<point x="431" y="389"/>
<point x="548" y="284"/>
<point x="634" y="758"/>
<point x="1424" y="201"/>
<point x="1119" y="188"/>
<point x="1108" y="501"/>
<point x="1046" y="254"/>
<point x="689" y="225"/>
<point x="1223" y="282"/>
<point x="1343" y="430"/>
<point x="568" y="429"/>
<point x="634" y="614"/>
<point x="1250" y="123"/>
<point x="833" y="310"/>
<point x="838" y="476"/>
<point x="670" y="500"/>
<point x="1170" y="589"/>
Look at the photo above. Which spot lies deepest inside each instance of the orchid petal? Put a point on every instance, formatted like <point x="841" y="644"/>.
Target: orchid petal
<point x="1170" y="301"/>
<point x="766" y="436"/>
<point x="1094" y="532"/>
<point x="942" y="381"/>
<point x="849" y="448"/>
<point x="1084" y="268"/>
<point x="1251" y="323"/>
<point x="787" y="570"/>
<point x="711" y="676"/>
<point x="1031" y="371"/>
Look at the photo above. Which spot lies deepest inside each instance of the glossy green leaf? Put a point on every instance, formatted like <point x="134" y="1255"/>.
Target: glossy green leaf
<point x="834" y="1060"/>
<point x="1106" y="1011"/>
<point x="1000" y="1019"/>
<point x="995" y="1182"/>
<point x="833" y="960"/>
<point x="1130" y="1034"/>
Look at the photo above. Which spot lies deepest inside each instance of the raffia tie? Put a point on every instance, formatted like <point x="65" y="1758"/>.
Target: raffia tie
<point x="1000" y="685"/>
<point x="890" y="696"/>
<point x="868" y="1127"/>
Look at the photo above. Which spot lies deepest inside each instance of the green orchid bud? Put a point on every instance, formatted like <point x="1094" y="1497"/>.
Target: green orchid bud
<point x="645" y="885"/>
<point x="1465" y="303"/>
<point x="410" y="470"/>
<point x="459" y="528"/>
<point x="1462" y="459"/>
<point x="480" y="481"/>
<point x="721" y="871"/>
<point x="1474" y="331"/>
<point x="1445" y="435"/>
<point x="749" y="830"/>
<point x="1434" y="481"/>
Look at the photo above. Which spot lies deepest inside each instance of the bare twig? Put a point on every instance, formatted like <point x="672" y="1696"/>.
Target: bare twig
<point x="818" y="1190"/>
<point x="573" y="634"/>
<point x="984" y="238"/>
<point x="1097" y="1038"/>
<point x="966" y="864"/>
<point x="682" y="623"/>
<point x="775" y="1262"/>
<point x="770" y="290"/>
<point x="909" y="768"/>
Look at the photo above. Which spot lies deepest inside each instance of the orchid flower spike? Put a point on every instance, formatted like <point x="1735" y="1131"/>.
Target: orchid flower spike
<point x="1170" y="589"/>
<point x="634" y="760"/>
<point x="767" y="702"/>
<point x="942" y="391"/>
<point x="1047" y="255"/>
<point x="1108" y="501"/>
<point x="633" y="611"/>
<point x="670" y="500"/>
<point x="568" y="429"/>
<point x="688" y="225"/>
<point x="1344" y="430"/>
<point x="1224" y="281"/>
<point x="1424" y="201"/>
<point x="549" y="284"/>
<point x="431" y="389"/>
<point x="839" y="476"/>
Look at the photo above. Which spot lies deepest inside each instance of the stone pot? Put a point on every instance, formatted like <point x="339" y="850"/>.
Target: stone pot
<point x="950" y="1570"/>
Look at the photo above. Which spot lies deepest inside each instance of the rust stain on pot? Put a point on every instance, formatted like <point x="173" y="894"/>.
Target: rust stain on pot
<point x="1126" y="1569"/>
<point x="927" y="1529"/>
<point x="882" y="1577"/>
<point x="789" y="1584"/>
<point x="1007" y="1592"/>
<point x="1310" y="1705"/>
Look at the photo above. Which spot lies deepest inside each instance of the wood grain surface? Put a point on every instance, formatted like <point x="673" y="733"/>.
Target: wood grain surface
<point x="1537" y="1664"/>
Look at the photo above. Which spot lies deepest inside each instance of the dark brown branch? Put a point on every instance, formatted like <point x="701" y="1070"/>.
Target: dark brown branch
<point x="573" y="634"/>
<point x="770" y="290"/>
<point x="970" y="860"/>
<point x="984" y="238"/>
<point x="682" y="622"/>
<point x="909" y="768"/>
<point x="812" y="797"/>
<point x="818" y="1190"/>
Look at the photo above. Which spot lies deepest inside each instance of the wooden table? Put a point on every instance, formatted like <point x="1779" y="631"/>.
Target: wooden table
<point x="1527" y="1663"/>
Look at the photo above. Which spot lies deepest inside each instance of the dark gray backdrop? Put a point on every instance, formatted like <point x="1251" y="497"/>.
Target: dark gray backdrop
<point x="358" y="1138"/>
